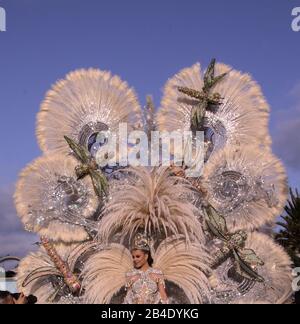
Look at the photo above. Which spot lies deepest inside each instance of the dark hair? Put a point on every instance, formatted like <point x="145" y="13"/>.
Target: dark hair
<point x="3" y="296"/>
<point x="10" y="274"/>
<point x="30" y="300"/>
<point x="150" y="259"/>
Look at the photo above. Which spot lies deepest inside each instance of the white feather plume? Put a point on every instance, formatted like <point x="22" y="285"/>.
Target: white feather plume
<point x="75" y="105"/>
<point x="244" y="106"/>
<point x="277" y="267"/>
<point x="104" y="274"/>
<point x="40" y="269"/>
<point x="40" y="286"/>
<point x="40" y="204"/>
<point x="248" y="186"/>
<point x="186" y="265"/>
<point x="174" y="114"/>
<point x="243" y="114"/>
<point x="276" y="271"/>
<point x="153" y="201"/>
<point x="27" y="265"/>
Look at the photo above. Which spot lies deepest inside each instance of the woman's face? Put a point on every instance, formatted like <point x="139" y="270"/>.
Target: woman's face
<point x="140" y="258"/>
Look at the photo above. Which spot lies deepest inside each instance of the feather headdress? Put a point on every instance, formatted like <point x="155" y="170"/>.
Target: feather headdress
<point x="150" y="201"/>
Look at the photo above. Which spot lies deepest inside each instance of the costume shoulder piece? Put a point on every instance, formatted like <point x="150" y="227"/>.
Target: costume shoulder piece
<point x="135" y="272"/>
<point x="157" y="272"/>
<point x="131" y="273"/>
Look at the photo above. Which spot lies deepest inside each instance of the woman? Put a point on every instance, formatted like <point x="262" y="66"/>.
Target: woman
<point x="145" y="285"/>
<point x="6" y="298"/>
<point x="110" y="269"/>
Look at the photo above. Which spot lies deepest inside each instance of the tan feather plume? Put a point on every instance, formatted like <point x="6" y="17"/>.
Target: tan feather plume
<point x="39" y="261"/>
<point x="104" y="274"/>
<point x="243" y="114"/>
<point x="38" y="198"/>
<point x="174" y="114"/>
<point x="276" y="271"/>
<point x="153" y="201"/>
<point x="277" y="268"/>
<point x="186" y="265"/>
<point x="36" y="270"/>
<point x="247" y="186"/>
<point x="84" y="103"/>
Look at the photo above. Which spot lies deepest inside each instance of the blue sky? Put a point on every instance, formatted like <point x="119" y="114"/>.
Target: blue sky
<point x="145" y="42"/>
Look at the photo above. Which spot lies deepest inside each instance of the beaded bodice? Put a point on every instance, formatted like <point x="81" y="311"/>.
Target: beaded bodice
<point x="143" y="287"/>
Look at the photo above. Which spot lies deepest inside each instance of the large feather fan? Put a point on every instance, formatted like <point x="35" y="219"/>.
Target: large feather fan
<point x="185" y="265"/>
<point x="44" y="289"/>
<point x="105" y="274"/>
<point x="248" y="187"/>
<point x="51" y="202"/>
<point x="276" y="271"/>
<point x="85" y="103"/>
<point x="153" y="201"/>
<point x="37" y="274"/>
<point x="243" y="114"/>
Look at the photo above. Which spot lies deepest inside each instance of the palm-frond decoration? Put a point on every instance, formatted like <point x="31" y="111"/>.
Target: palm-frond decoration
<point x="88" y="167"/>
<point x="205" y="97"/>
<point x="152" y="201"/>
<point x="246" y="260"/>
<point x="232" y="288"/>
<point x="241" y="113"/>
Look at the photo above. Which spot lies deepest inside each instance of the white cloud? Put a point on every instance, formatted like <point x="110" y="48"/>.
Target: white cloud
<point x="14" y="240"/>
<point x="286" y="136"/>
<point x="295" y="92"/>
<point x="287" y="142"/>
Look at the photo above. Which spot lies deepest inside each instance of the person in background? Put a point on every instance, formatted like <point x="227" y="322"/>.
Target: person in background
<point x="6" y="298"/>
